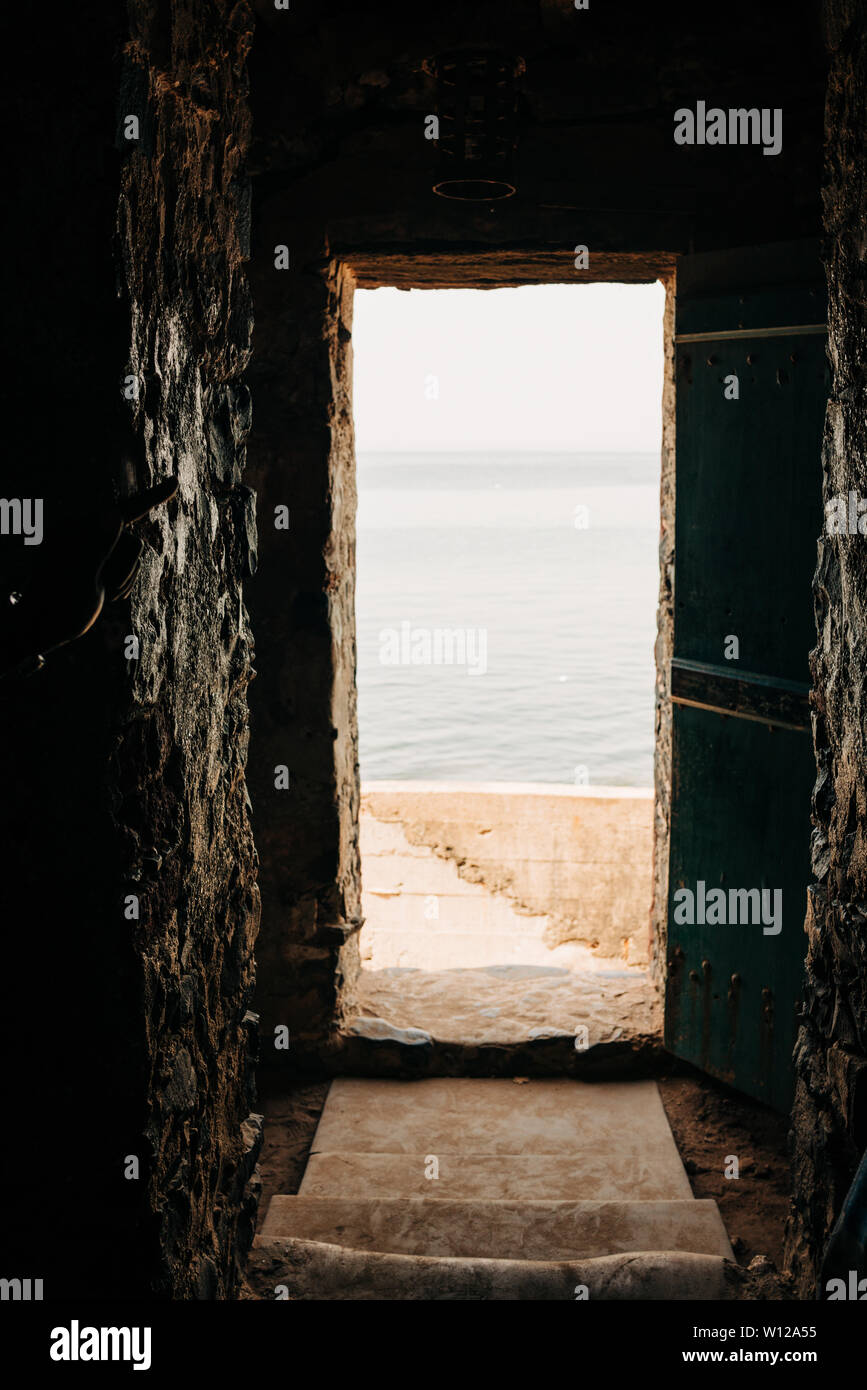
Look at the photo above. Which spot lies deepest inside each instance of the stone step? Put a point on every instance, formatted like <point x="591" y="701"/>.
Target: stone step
<point x="410" y="911"/>
<point x="460" y="1188"/>
<point x="490" y="916"/>
<point x="385" y="949"/>
<point x="387" y="837"/>
<point x="389" y="907"/>
<point x="586" y="1122"/>
<point x="313" y="1271"/>
<point x="580" y="888"/>
<point x="500" y="1230"/>
<point x="511" y="1004"/>
<point x="413" y="873"/>
<point x="630" y="1172"/>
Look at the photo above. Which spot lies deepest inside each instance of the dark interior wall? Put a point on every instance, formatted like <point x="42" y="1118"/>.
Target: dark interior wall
<point x="829" y="1131"/>
<point x="125" y="777"/>
<point x="71" y="1063"/>
<point x="303" y="703"/>
<point x="341" y="92"/>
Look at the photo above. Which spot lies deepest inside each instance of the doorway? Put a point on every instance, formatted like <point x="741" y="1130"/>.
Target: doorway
<point x="506" y="613"/>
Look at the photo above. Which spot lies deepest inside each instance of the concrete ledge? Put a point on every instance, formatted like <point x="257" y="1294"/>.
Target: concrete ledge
<point x="345" y="1055"/>
<point x="473" y="874"/>
<point x="530" y="789"/>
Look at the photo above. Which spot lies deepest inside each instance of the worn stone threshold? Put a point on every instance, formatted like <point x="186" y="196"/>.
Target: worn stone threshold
<point x="304" y="1270"/>
<point x="497" y="1021"/>
<point x="514" y="1004"/>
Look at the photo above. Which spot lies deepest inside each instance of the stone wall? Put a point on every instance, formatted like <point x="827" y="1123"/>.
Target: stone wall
<point x="129" y="1033"/>
<point x="829" y="1128"/>
<point x="303" y="607"/>
<point x="664" y="651"/>
<point x="179" y="795"/>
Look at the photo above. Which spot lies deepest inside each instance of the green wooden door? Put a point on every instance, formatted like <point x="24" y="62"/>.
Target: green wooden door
<point x="751" y="391"/>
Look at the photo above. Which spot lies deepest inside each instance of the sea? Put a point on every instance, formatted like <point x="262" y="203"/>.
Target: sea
<point x="506" y="616"/>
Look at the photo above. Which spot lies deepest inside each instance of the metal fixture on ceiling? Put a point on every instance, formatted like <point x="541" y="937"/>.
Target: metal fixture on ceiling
<point x="477" y="109"/>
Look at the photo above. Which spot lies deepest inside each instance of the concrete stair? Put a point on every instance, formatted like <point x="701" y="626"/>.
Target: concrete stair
<point x="472" y="925"/>
<point x="494" y="1229"/>
<point x="443" y="1188"/>
<point x="506" y="1177"/>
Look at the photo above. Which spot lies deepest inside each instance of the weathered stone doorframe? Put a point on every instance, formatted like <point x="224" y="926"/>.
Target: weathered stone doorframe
<point x="303" y="703"/>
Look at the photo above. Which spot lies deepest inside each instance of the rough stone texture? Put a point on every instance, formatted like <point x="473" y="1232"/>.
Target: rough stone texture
<point x="179" y="794"/>
<point x="303" y="606"/>
<point x="551" y="1055"/>
<point x="477" y="269"/>
<point x="829" y="1130"/>
<point x="304" y="1270"/>
<point x="307" y="1270"/>
<point x="664" y="652"/>
<point x="514" y="1004"/>
<point x="142" y="1044"/>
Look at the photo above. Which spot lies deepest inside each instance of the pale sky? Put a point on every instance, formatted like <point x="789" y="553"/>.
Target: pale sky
<point x="544" y="367"/>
